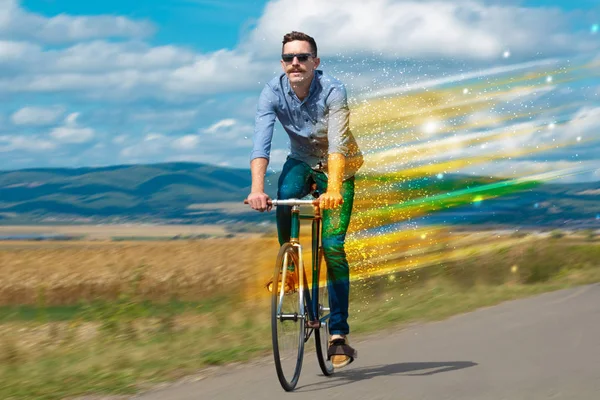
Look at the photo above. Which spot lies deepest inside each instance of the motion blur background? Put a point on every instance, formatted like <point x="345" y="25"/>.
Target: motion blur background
<point x="126" y="255"/>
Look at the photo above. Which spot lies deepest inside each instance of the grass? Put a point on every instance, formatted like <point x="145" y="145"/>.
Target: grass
<point x="132" y="342"/>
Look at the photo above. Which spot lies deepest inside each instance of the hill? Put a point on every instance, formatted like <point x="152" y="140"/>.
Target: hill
<point x="202" y="193"/>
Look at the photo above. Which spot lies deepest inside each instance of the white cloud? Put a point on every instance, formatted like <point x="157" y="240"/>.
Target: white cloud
<point x="226" y="134"/>
<point x="466" y="29"/>
<point x="69" y="55"/>
<point x="25" y="143"/>
<point x="154" y="137"/>
<point x="71" y="132"/>
<point x="15" y="22"/>
<point x="221" y="125"/>
<point x="72" y="118"/>
<point x="187" y="142"/>
<point x="11" y="51"/>
<point x="68" y="134"/>
<point x="123" y="70"/>
<point x="153" y="115"/>
<point x="98" y="56"/>
<point x="221" y="71"/>
<point x="151" y="145"/>
<point x="277" y="159"/>
<point x="37" y="115"/>
<point x="462" y="77"/>
<point x="119" y="139"/>
<point x="205" y="146"/>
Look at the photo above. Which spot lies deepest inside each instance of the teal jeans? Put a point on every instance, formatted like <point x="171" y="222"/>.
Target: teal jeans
<point x="294" y="182"/>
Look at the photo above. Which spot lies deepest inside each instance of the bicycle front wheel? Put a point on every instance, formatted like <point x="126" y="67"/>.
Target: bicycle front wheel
<point x="322" y="334"/>
<point x="287" y="319"/>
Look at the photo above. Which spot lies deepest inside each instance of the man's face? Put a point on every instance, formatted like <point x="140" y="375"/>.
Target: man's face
<point x="299" y="71"/>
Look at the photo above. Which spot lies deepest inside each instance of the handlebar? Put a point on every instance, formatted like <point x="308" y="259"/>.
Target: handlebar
<point x="291" y="202"/>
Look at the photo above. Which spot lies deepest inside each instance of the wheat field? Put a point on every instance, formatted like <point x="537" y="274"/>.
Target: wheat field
<point x="58" y="273"/>
<point x="67" y="272"/>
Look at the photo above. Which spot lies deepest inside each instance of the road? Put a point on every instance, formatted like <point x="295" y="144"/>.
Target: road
<point x="544" y="347"/>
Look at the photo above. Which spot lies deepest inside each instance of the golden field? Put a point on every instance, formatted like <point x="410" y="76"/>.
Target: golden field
<point x="66" y="272"/>
<point x="103" y="232"/>
<point x="125" y="345"/>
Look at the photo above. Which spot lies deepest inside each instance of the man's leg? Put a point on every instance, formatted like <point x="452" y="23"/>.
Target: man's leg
<point x="335" y="225"/>
<point x="294" y="182"/>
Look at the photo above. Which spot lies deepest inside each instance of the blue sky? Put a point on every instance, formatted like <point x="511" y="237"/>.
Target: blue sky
<point x="204" y="25"/>
<point x="114" y="82"/>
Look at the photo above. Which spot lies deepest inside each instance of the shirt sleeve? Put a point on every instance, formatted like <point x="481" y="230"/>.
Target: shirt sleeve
<point x="339" y="121"/>
<point x="263" y="124"/>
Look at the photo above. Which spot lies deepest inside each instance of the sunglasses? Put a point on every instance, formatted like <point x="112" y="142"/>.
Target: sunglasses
<point x="302" y="57"/>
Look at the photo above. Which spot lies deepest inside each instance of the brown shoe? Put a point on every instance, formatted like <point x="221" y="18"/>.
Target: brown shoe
<point x="340" y="353"/>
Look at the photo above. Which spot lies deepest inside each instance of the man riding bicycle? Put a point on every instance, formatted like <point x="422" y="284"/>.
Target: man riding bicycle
<point x="312" y="108"/>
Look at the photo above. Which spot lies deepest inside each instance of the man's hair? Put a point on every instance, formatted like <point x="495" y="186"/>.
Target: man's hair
<point x="290" y="37"/>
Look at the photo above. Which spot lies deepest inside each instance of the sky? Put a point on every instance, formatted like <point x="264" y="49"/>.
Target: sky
<point x="125" y="82"/>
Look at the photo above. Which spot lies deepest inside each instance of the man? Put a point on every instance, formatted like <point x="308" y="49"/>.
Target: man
<point x="313" y="109"/>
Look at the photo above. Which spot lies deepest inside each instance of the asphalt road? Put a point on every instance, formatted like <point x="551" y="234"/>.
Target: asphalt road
<point x="545" y="347"/>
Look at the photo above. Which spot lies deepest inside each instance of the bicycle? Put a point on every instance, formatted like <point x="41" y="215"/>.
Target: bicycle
<point x="296" y="312"/>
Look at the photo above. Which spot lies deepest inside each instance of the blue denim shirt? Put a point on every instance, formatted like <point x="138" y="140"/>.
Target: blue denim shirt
<point x="317" y="126"/>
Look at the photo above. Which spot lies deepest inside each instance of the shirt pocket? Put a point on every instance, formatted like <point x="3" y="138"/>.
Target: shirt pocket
<point x="320" y="120"/>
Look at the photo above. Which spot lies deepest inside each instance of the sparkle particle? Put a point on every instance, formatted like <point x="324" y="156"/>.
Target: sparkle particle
<point x="430" y="127"/>
<point x="579" y="138"/>
<point x="595" y="28"/>
<point x="506" y="54"/>
<point x="551" y="125"/>
<point x="549" y="79"/>
<point x="465" y="91"/>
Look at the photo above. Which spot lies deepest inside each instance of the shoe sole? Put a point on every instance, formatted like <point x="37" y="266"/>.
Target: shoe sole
<point x="342" y="364"/>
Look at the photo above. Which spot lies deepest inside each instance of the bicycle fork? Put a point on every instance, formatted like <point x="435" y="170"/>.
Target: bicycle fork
<point x="301" y="280"/>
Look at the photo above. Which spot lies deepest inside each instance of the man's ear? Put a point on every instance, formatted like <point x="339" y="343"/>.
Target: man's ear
<point x="317" y="62"/>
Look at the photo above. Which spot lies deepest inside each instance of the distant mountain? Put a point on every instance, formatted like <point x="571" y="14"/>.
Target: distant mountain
<point x="201" y="193"/>
<point x="162" y="191"/>
<point x="536" y="204"/>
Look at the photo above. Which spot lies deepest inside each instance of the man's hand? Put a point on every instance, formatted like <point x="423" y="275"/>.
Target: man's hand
<point x="258" y="201"/>
<point x="330" y="200"/>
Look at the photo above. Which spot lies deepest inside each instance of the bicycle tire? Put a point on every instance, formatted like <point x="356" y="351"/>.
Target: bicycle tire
<point x="288" y="335"/>
<point x="322" y="334"/>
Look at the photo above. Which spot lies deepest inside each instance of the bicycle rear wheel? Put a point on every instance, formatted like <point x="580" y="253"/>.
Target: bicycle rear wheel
<point x="322" y="334"/>
<point x="287" y="320"/>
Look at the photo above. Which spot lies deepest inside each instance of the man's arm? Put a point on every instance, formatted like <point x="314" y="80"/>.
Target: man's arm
<point x="337" y="135"/>
<point x="257" y="197"/>
<point x="332" y="198"/>
<point x="263" y="134"/>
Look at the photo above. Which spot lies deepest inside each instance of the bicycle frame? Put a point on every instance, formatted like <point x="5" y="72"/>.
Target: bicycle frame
<point x="308" y="317"/>
<point x="306" y="297"/>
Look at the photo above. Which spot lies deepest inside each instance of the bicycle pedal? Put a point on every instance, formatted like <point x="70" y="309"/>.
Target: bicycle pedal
<point x="289" y="287"/>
